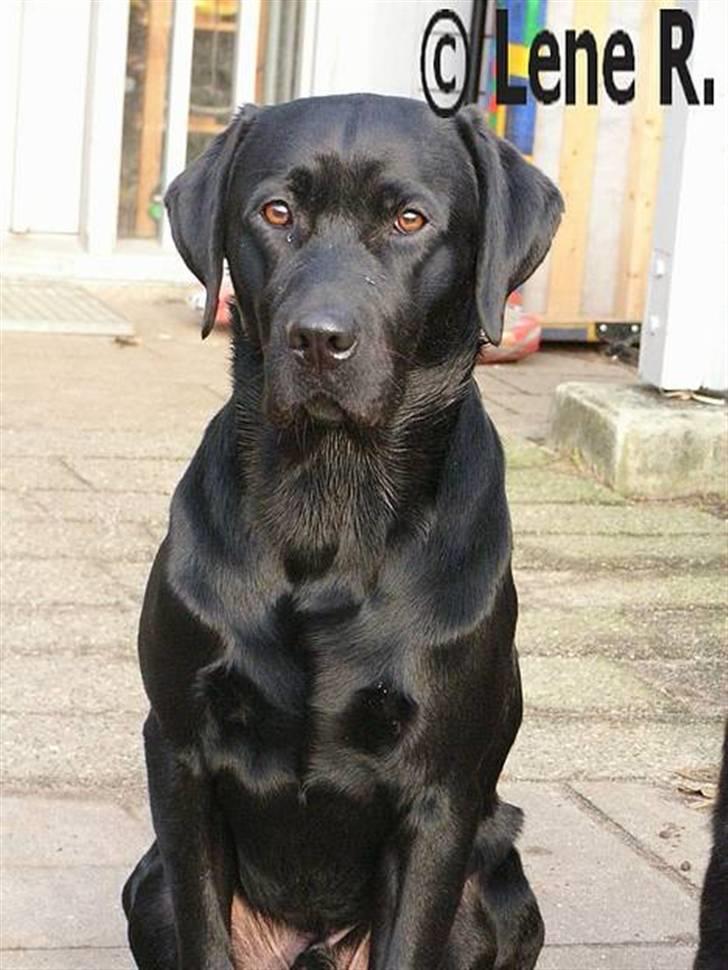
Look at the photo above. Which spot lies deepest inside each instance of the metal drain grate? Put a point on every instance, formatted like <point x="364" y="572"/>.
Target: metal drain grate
<point x="37" y="306"/>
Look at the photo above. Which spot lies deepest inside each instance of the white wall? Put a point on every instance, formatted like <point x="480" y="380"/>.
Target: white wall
<point x="685" y="329"/>
<point x="369" y="45"/>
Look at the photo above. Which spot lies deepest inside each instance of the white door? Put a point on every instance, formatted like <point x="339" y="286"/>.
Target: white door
<point x="52" y="82"/>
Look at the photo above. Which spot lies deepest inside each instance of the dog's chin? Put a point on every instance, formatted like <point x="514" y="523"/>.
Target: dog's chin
<point x="322" y="409"/>
<point x="323" y="412"/>
<point x="286" y="406"/>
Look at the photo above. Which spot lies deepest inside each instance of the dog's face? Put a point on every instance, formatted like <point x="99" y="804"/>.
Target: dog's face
<point x="347" y="247"/>
<point x="364" y="236"/>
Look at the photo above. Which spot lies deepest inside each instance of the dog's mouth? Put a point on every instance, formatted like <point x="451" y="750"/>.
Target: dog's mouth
<point x="314" y="409"/>
<point x="356" y="400"/>
<point x="324" y="409"/>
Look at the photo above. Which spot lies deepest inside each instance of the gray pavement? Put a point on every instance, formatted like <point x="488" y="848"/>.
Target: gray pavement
<point x="622" y="634"/>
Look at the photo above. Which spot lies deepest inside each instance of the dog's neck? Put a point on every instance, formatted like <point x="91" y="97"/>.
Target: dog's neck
<point x="338" y="493"/>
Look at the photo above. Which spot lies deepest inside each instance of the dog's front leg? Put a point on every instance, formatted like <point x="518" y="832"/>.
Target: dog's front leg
<point x="191" y="840"/>
<point x="422" y="880"/>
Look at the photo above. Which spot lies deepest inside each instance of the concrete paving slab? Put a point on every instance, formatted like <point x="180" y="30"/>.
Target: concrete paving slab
<point x="543" y="380"/>
<point x="701" y="682"/>
<point x="503" y="417"/>
<point x="571" y="588"/>
<point x="592" y="888"/>
<point x="538" y="400"/>
<point x="674" y="830"/>
<point x="71" y="685"/>
<point x="130" y="474"/>
<point x="550" y="748"/>
<point x="630" y="553"/>
<point x="32" y="352"/>
<point x="556" y="486"/>
<point x="558" y="364"/>
<point x="82" y="753"/>
<point x="52" y="473"/>
<point x="496" y="399"/>
<point x="649" y="957"/>
<point x="49" y="581"/>
<point x="523" y="424"/>
<point x="70" y="833"/>
<point x="62" y="907"/>
<point x="106" y="958"/>
<point x="70" y="629"/>
<point x="106" y="506"/>
<point x="190" y="405"/>
<point x="521" y="453"/>
<point x="654" y="521"/>
<point x="577" y="685"/>
<point x="16" y="507"/>
<point x="639" y="632"/>
<point x="173" y="442"/>
<point x="107" y="376"/>
<point x="132" y="577"/>
<point x="57" y="538"/>
<point x="110" y="391"/>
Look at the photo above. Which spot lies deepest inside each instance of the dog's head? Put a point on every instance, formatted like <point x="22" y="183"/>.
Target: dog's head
<point x="365" y="237"/>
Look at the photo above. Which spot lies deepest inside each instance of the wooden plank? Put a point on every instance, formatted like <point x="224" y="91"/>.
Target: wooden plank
<point x="205" y="125"/>
<point x="212" y="23"/>
<point x="547" y="155"/>
<point x="153" y="112"/>
<point x="643" y="171"/>
<point x="578" y="151"/>
<point x="609" y="183"/>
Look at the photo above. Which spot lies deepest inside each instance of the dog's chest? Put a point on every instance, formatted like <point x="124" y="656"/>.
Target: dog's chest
<point x="374" y="718"/>
<point x="302" y="721"/>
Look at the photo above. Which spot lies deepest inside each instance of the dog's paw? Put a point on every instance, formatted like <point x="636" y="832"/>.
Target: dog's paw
<point x="316" y="958"/>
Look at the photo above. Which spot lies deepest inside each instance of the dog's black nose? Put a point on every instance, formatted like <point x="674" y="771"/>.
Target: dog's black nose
<point x="322" y="341"/>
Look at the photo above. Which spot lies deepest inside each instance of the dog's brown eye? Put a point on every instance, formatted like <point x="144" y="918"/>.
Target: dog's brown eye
<point x="409" y="221"/>
<point x="277" y="213"/>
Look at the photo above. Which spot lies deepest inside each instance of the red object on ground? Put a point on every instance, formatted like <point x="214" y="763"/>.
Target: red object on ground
<point x="521" y="337"/>
<point x="222" y="314"/>
<point x="222" y="317"/>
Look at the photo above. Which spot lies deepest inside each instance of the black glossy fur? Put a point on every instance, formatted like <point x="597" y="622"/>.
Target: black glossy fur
<point x="327" y="639"/>
<point x="713" y="949"/>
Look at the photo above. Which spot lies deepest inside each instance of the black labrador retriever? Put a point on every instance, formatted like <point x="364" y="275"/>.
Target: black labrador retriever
<point x="713" y="947"/>
<point x="327" y="632"/>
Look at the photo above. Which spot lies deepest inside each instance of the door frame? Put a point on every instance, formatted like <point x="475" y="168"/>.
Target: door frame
<point x="104" y="109"/>
<point x="180" y="79"/>
<point x="104" y="124"/>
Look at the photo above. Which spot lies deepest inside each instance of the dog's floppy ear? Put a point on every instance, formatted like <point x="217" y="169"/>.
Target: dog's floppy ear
<point x="520" y="210"/>
<point x="195" y="204"/>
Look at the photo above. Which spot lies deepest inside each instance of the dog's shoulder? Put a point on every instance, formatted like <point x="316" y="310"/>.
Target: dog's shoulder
<point x="473" y="483"/>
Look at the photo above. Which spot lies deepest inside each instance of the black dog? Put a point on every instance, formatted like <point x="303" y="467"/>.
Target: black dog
<point x="713" y="949"/>
<point x="327" y="633"/>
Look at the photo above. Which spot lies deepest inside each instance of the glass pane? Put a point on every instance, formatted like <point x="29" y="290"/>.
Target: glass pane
<point x="145" y="117"/>
<point x="213" y="71"/>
